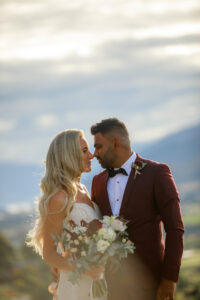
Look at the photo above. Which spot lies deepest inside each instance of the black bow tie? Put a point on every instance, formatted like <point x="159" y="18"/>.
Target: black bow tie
<point x="112" y="172"/>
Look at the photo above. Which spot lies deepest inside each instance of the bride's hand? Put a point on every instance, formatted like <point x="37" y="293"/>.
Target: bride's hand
<point x="95" y="272"/>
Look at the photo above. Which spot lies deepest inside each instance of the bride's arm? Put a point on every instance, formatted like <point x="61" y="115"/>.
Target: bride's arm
<point x="54" y="225"/>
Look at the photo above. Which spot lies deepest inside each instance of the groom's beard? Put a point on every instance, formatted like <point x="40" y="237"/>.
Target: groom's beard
<point x="108" y="159"/>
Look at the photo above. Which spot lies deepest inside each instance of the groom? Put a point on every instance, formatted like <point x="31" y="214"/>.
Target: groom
<point x="144" y="193"/>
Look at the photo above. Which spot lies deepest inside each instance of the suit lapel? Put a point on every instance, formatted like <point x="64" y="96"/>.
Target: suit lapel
<point x="106" y="203"/>
<point x="129" y="187"/>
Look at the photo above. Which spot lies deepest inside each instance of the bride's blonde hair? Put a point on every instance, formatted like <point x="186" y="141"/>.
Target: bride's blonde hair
<point x="63" y="167"/>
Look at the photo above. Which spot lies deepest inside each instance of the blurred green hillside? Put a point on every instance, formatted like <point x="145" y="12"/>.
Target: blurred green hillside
<point x="188" y="287"/>
<point x="23" y="275"/>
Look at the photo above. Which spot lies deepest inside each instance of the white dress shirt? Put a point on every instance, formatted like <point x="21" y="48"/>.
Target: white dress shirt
<point x="116" y="186"/>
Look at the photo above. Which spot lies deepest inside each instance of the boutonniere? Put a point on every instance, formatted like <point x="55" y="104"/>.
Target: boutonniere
<point x="138" y="167"/>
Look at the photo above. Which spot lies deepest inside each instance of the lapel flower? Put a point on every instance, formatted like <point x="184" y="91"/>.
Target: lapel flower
<point x="138" y="167"/>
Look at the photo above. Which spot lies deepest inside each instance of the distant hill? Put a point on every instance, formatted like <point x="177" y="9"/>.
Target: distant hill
<point x="20" y="183"/>
<point x="181" y="151"/>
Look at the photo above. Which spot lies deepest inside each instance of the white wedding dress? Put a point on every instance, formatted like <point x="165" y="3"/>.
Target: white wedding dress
<point x="80" y="291"/>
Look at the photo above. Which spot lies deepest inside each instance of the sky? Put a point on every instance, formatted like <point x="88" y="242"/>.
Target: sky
<point x="70" y="64"/>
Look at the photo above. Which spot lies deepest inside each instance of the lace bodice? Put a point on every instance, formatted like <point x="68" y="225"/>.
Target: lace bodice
<point x="82" y="211"/>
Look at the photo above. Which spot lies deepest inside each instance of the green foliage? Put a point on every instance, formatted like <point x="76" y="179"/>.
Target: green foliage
<point x="24" y="273"/>
<point x="6" y="253"/>
<point x="188" y="287"/>
<point x="192" y="241"/>
<point x="192" y="220"/>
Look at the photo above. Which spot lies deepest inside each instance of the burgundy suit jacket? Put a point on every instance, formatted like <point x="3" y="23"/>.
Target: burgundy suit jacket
<point x="149" y="200"/>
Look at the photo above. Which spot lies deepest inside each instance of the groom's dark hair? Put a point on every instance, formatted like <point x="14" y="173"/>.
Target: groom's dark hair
<point x="108" y="125"/>
<point x="112" y="125"/>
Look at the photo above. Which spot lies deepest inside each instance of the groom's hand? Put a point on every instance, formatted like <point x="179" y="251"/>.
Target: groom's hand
<point x="166" y="290"/>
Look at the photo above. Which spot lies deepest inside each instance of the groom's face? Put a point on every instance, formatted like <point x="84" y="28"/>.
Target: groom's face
<point x="104" y="151"/>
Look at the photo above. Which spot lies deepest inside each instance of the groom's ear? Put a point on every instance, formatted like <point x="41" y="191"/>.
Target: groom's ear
<point x="115" y="142"/>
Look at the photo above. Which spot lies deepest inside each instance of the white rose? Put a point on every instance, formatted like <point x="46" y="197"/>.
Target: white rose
<point x="117" y="225"/>
<point x="73" y="250"/>
<point x="108" y="220"/>
<point x="102" y="245"/>
<point x="83" y="253"/>
<point x="101" y="232"/>
<point x="76" y="242"/>
<point x="110" y="235"/>
<point x="107" y="234"/>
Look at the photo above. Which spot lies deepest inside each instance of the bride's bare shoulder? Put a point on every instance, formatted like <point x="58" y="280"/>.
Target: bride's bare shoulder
<point x="57" y="202"/>
<point x="84" y="187"/>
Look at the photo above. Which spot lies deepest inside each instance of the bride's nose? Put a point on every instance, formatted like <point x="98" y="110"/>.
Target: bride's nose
<point x="91" y="156"/>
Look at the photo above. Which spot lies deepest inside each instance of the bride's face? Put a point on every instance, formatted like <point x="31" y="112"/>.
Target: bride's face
<point x="87" y="155"/>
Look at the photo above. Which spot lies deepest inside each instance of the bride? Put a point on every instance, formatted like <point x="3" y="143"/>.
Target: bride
<point x="64" y="198"/>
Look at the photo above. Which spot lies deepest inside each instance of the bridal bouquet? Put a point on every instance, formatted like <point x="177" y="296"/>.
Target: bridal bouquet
<point x="92" y="244"/>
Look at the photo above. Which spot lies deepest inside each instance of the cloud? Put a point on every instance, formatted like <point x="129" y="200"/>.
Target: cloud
<point x="46" y="120"/>
<point x="41" y="30"/>
<point x="6" y="125"/>
<point x="29" y="144"/>
<point x="163" y="120"/>
<point x="23" y="150"/>
<point x="72" y="64"/>
<point x="18" y="208"/>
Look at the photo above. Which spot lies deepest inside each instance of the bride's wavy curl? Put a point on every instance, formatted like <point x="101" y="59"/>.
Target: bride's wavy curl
<point x="63" y="168"/>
